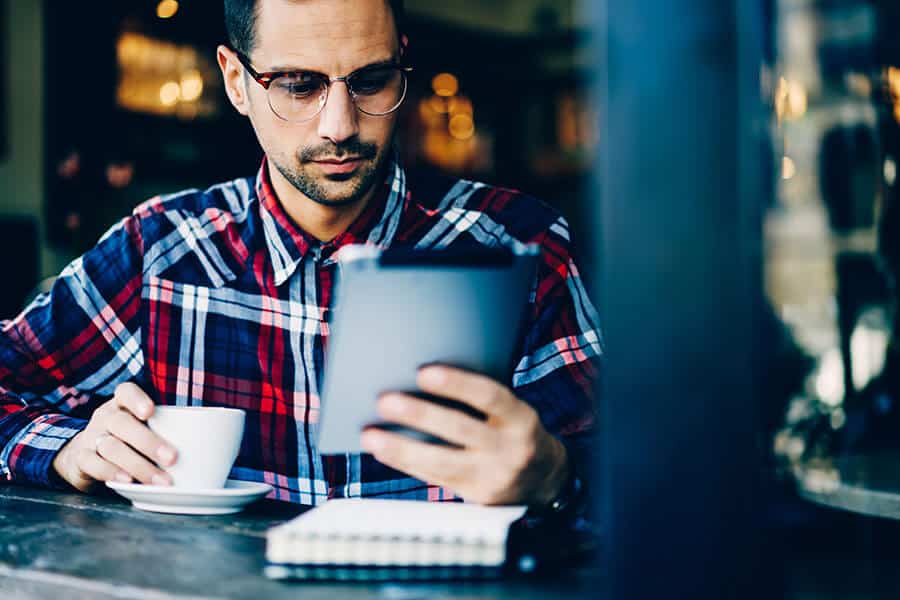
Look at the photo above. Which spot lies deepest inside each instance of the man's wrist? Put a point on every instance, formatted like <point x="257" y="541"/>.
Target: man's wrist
<point x="59" y="467"/>
<point x="556" y="483"/>
<point x="58" y="473"/>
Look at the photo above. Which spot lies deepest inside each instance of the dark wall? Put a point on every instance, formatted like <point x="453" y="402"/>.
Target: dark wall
<point x="4" y="57"/>
<point x="19" y="248"/>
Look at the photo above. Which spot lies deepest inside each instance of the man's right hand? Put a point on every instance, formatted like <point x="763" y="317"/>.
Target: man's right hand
<point x="117" y="445"/>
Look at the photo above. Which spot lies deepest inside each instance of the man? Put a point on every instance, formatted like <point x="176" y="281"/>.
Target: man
<point x="222" y="298"/>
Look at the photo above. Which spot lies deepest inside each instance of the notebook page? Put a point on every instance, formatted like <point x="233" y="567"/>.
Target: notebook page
<point x="405" y="519"/>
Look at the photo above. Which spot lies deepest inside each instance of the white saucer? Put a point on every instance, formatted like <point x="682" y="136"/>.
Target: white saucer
<point x="156" y="498"/>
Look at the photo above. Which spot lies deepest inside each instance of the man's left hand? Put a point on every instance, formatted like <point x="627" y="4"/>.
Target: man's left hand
<point x="509" y="458"/>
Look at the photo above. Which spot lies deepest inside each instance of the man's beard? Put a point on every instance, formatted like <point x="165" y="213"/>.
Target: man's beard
<point x="314" y="186"/>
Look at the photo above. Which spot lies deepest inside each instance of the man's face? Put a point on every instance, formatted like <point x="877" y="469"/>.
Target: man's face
<point x="335" y="38"/>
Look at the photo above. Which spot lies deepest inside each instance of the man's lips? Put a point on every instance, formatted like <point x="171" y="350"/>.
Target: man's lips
<point x="338" y="161"/>
<point x="339" y="165"/>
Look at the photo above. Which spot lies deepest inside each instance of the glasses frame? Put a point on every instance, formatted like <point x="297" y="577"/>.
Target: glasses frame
<point x="266" y="78"/>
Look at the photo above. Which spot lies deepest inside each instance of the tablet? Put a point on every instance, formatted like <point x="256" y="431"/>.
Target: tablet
<point x="398" y="310"/>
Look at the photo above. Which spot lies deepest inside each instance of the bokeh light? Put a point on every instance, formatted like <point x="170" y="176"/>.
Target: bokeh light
<point x="169" y="93"/>
<point x="166" y="9"/>
<point x="445" y="84"/>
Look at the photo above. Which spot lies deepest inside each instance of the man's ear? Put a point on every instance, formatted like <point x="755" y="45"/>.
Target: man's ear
<point x="232" y="76"/>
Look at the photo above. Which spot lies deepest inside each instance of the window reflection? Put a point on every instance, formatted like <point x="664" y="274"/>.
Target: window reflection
<point x="829" y="273"/>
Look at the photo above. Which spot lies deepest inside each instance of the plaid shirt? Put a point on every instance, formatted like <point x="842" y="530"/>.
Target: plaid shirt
<point x="216" y="298"/>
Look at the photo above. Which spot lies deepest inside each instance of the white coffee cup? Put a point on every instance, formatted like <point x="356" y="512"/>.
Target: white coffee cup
<point x="207" y="439"/>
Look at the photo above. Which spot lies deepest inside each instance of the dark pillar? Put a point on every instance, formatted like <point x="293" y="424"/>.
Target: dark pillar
<point x="681" y="187"/>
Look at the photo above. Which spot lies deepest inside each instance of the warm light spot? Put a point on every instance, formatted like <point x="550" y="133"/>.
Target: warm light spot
<point x="161" y="78"/>
<point x="797" y="100"/>
<point x="166" y="9"/>
<point x="435" y="145"/>
<point x="868" y="347"/>
<point x="890" y="171"/>
<point x="428" y="115"/>
<point x="438" y="104"/>
<point x="567" y="122"/>
<point x="445" y="84"/>
<point x="169" y="93"/>
<point x="788" y="168"/>
<point x="459" y="105"/>
<point x="829" y="380"/>
<point x="462" y="127"/>
<point x="893" y="82"/>
<point x="191" y="85"/>
<point x="791" y="99"/>
<point x="128" y="48"/>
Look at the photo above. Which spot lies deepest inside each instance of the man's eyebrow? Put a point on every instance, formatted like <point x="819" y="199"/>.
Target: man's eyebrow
<point x="295" y="69"/>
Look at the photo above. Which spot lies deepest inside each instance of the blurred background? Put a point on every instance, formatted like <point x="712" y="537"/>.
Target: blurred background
<point x="110" y="105"/>
<point x="105" y="105"/>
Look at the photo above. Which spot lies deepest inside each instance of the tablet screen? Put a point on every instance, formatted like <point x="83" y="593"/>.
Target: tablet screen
<point x="396" y="311"/>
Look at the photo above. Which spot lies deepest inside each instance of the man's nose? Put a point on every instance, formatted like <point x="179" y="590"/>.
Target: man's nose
<point x="339" y="119"/>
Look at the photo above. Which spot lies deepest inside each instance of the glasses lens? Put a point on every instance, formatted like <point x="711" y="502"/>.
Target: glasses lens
<point x="297" y="97"/>
<point x="378" y="90"/>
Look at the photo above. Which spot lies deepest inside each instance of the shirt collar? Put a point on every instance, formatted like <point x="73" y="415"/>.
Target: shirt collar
<point x="287" y="243"/>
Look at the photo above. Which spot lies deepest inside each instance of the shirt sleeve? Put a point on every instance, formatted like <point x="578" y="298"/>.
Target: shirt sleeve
<point x="562" y="347"/>
<point x="66" y="353"/>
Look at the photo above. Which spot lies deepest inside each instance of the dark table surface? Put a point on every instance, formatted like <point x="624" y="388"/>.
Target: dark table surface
<point x="865" y="484"/>
<point x="73" y="546"/>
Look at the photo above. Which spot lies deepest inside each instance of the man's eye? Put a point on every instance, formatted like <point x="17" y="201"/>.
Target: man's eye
<point x="372" y="82"/>
<point x="300" y="87"/>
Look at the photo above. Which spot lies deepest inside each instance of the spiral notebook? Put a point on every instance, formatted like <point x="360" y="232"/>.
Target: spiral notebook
<point x="372" y="539"/>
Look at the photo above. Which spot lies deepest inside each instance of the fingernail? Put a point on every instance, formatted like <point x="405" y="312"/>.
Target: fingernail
<point x="123" y="477"/>
<point x="144" y="410"/>
<point x="391" y="403"/>
<point x="160" y="480"/>
<point x="166" y="455"/>
<point x="371" y="441"/>
<point x="432" y="376"/>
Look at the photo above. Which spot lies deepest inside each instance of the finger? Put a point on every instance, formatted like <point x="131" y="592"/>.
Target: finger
<point x="433" y="464"/>
<point x="136" y="434"/>
<point x="478" y="391"/>
<point x="94" y="467"/>
<point x="446" y="423"/>
<point x="124" y="457"/>
<point x="130" y="397"/>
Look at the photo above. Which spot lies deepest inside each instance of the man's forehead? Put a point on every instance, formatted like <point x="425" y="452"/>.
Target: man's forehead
<point x="323" y="34"/>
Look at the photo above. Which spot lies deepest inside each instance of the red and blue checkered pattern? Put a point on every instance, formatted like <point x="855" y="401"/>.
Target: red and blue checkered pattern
<point x="216" y="298"/>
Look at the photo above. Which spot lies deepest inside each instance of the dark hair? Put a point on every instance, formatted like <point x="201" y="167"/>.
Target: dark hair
<point x="240" y="22"/>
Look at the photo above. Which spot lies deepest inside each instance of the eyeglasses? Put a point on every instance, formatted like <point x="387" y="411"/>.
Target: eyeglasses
<point x="298" y="96"/>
